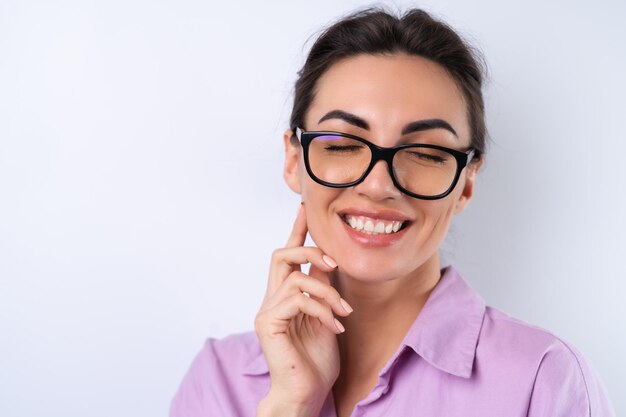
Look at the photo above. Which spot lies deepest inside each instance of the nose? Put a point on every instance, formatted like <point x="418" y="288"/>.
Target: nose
<point x="378" y="184"/>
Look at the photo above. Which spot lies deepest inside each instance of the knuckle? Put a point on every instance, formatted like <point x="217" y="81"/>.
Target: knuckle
<point x="259" y="322"/>
<point x="305" y="282"/>
<point x="263" y="315"/>
<point x="297" y="278"/>
<point x="276" y="254"/>
<point x="295" y="275"/>
<point x="303" y="302"/>
<point x="260" y="317"/>
<point x="291" y="280"/>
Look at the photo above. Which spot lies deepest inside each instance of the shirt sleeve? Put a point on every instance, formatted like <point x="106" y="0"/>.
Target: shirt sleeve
<point x="218" y="382"/>
<point x="187" y="401"/>
<point x="567" y="386"/>
<point x="205" y="389"/>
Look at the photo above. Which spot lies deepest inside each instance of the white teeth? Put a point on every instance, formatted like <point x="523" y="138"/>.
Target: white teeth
<point x="371" y="226"/>
<point x="353" y="222"/>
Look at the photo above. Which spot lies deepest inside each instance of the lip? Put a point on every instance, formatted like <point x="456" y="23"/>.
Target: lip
<point x="374" y="241"/>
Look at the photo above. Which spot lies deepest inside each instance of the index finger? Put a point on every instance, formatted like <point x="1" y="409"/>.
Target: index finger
<point x="298" y="233"/>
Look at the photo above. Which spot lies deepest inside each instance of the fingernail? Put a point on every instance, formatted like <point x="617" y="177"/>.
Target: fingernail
<point x="329" y="261"/>
<point x="339" y="326"/>
<point x="345" y="305"/>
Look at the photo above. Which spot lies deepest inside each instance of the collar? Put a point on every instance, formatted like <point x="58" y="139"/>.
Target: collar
<point x="445" y="332"/>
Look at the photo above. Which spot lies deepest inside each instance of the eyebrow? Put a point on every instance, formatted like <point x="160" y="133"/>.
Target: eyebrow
<point x="346" y="117"/>
<point x="420" y="125"/>
<point x="416" y="126"/>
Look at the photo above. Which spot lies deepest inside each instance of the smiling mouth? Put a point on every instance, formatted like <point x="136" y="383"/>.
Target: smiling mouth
<point x="372" y="226"/>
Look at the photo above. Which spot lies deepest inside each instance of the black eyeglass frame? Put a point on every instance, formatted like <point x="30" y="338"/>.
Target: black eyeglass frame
<point x="385" y="154"/>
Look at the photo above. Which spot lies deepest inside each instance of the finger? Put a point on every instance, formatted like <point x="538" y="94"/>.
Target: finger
<point x="280" y="316"/>
<point x="323" y="277"/>
<point x="298" y="232"/>
<point x="319" y="274"/>
<point x="286" y="260"/>
<point x="298" y="282"/>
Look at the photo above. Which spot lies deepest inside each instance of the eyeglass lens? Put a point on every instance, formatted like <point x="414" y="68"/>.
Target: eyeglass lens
<point x="341" y="160"/>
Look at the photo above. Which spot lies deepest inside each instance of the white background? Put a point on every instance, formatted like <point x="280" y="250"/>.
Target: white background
<point x="141" y="191"/>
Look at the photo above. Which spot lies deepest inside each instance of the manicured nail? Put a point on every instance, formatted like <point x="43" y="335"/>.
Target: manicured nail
<point x="345" y="305"/>
<point x="339" y="326"/>
<point x="329" y="261"/>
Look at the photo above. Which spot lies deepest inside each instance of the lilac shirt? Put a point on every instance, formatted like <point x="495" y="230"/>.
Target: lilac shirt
<point x="459" y="358"/>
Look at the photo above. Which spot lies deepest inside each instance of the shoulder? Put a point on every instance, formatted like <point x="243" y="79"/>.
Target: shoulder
<point x="230" y="356"/>
<point x="560" y="381"/>
<point x="519" y="338"/>
<point x="217" y="382"/>
<point x="237" y="348"/>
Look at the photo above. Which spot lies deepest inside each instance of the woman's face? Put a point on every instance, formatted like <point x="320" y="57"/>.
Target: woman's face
<point x="378" y="97"/>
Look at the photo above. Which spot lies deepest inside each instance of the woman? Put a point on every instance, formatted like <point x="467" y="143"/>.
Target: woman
<point x="387" y="136"/>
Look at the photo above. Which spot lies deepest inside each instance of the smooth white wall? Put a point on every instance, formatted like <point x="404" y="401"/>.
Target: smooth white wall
<point x="141" y="190"/>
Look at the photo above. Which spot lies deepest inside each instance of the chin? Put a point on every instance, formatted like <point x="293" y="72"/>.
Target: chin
<point x="367" y="271"/>
<point x="385" y="267"/>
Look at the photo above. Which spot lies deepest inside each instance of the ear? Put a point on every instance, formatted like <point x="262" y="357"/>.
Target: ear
<point x="292" y="154"/>
<point x="471" y="171"/>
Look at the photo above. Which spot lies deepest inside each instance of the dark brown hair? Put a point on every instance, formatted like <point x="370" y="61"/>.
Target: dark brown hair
<point x="375" y="31"/>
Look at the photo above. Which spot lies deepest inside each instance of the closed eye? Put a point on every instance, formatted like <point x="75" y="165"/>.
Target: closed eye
<point x="336" y="148"/>
<point x="428" y="157"/>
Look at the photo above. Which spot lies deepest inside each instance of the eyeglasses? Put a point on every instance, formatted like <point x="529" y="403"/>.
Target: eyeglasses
<point x="423" y="171"/>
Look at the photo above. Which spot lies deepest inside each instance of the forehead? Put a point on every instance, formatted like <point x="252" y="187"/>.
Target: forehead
<point x="389" y="91"/>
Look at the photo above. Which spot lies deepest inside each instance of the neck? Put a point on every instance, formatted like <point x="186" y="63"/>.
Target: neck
<point x="383" y="313"/>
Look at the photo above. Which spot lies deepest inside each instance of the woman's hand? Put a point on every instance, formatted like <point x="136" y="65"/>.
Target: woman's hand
<point x="298" y="332"/>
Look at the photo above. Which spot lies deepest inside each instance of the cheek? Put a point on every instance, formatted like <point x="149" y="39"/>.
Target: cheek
<point x="318" y="202"/>
<point x="315" y="197"/>
<point x="437" y="215"/>
<point x="318" y="197"/>
<point x="318" y="222"/>
<point x="444" y="208"/>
